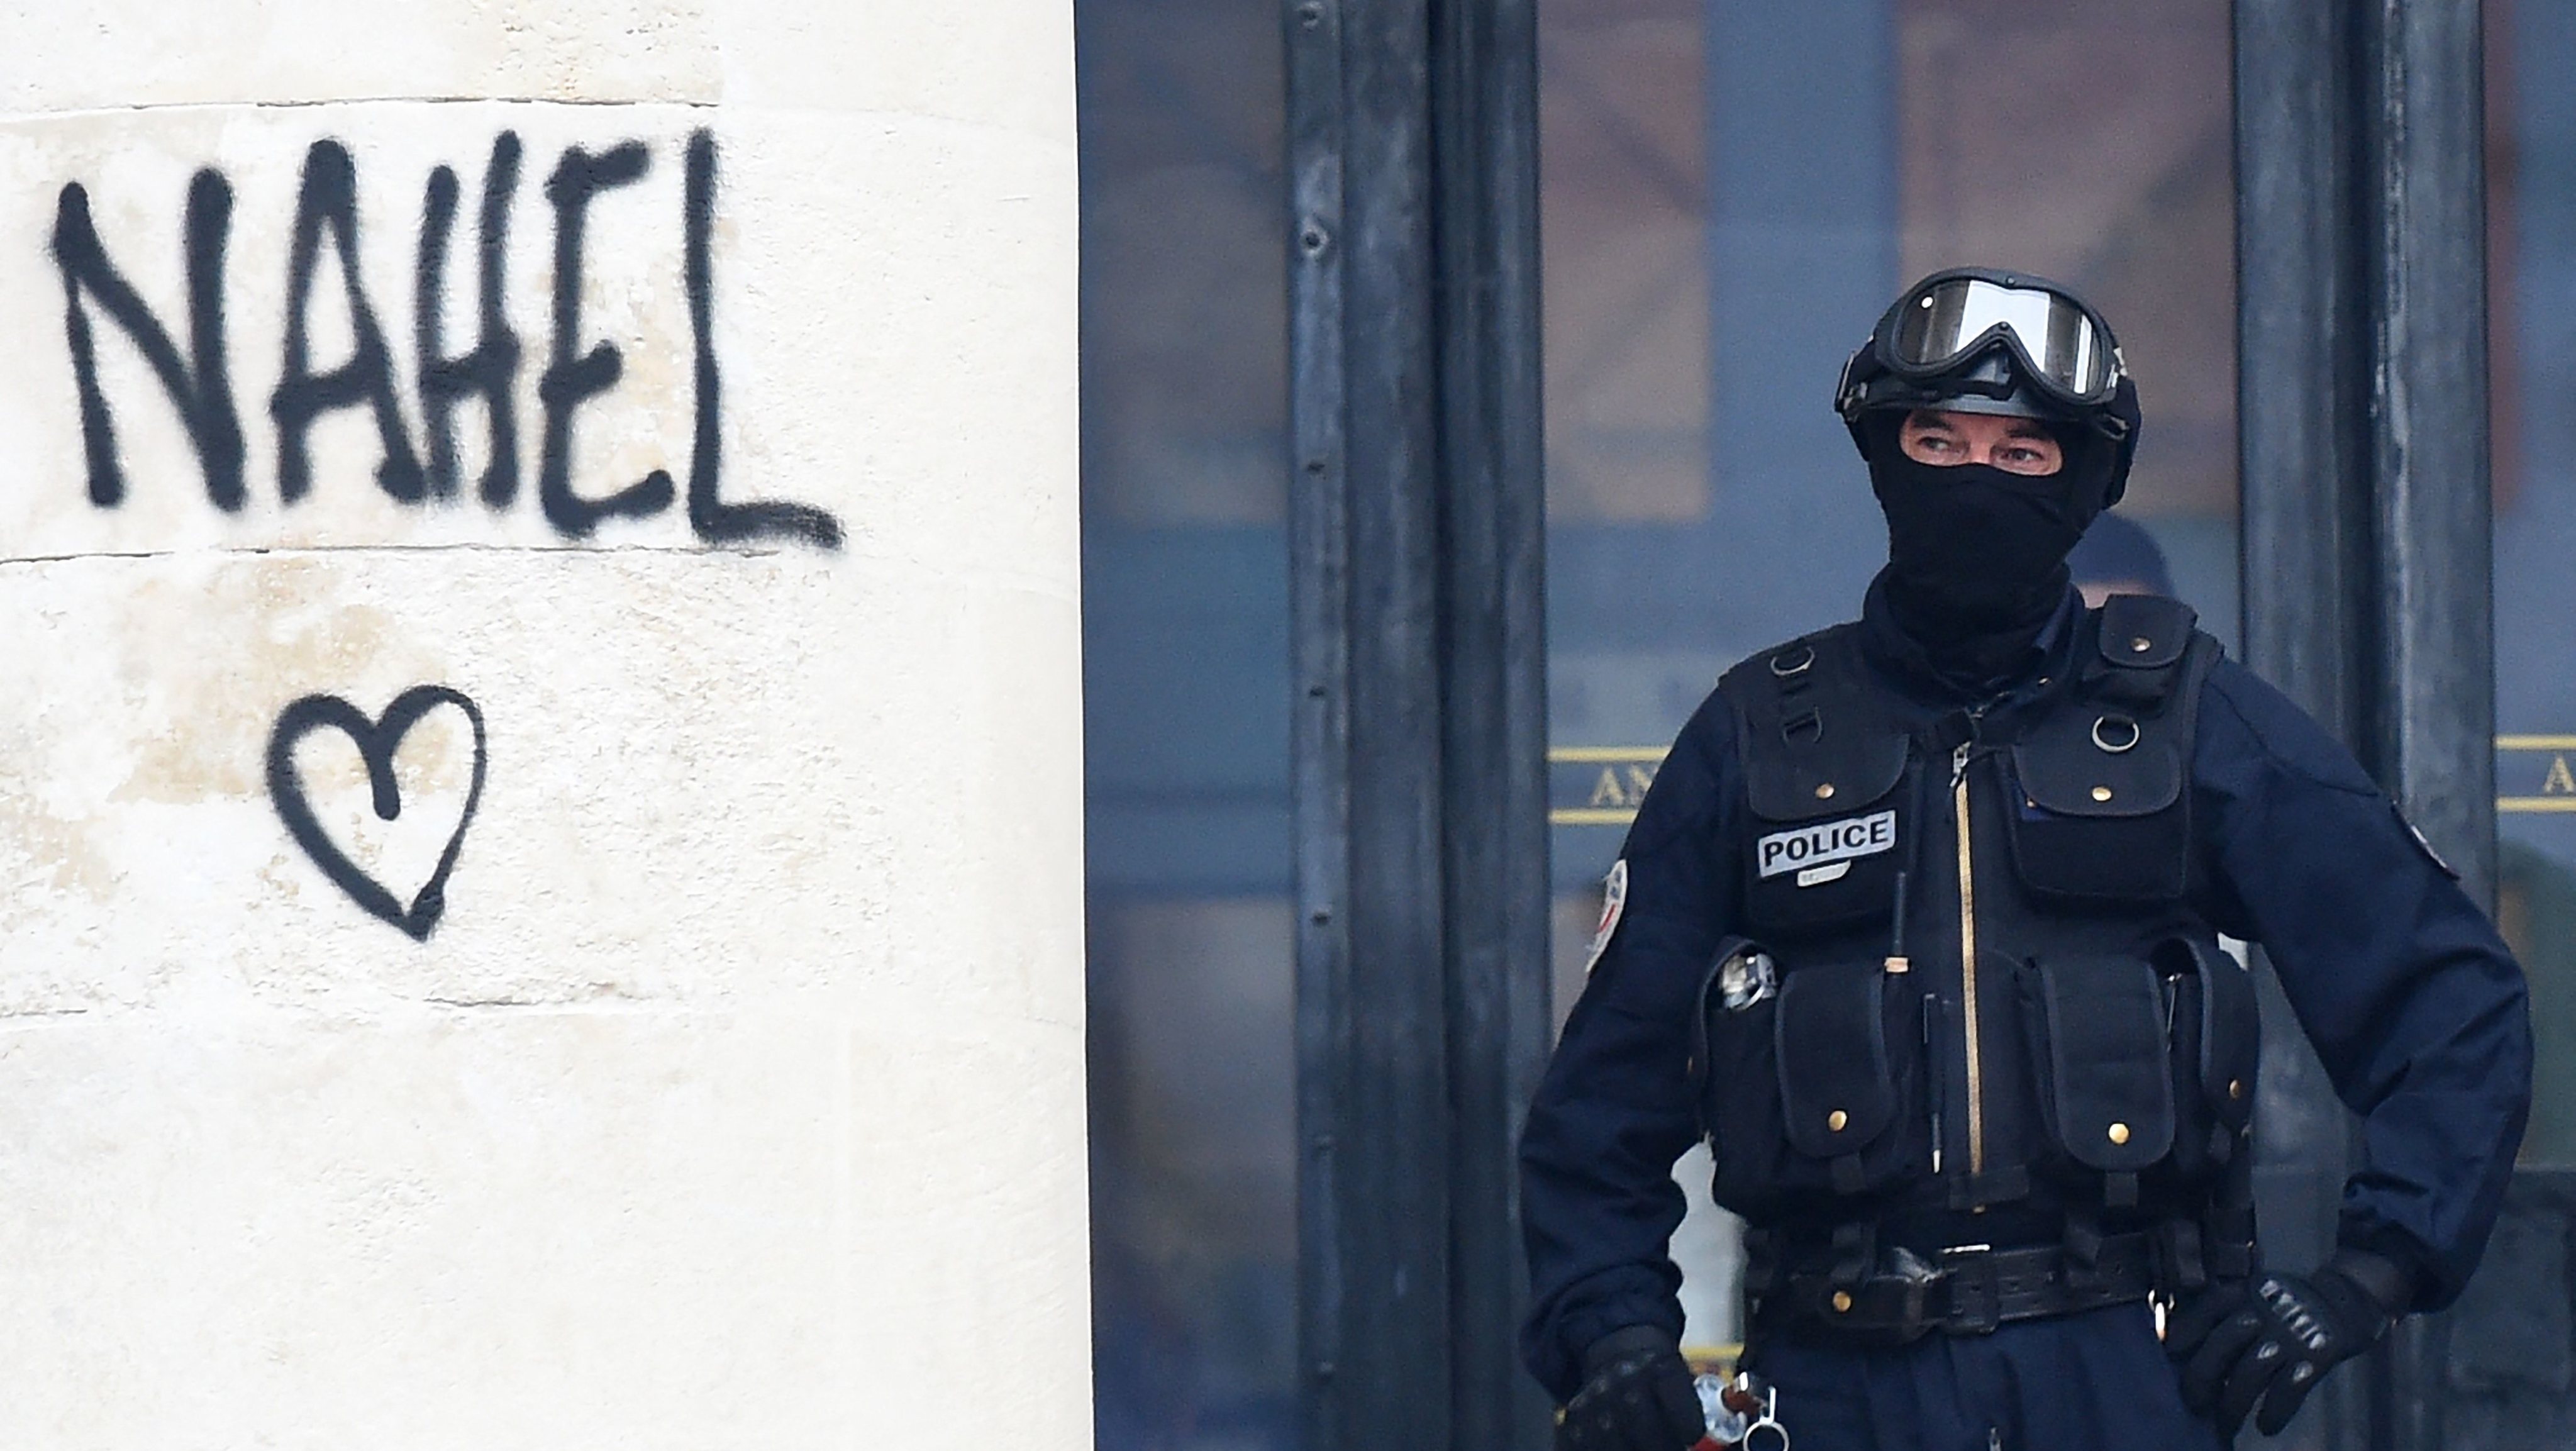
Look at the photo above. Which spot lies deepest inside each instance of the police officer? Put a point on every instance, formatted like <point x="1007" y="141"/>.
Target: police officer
<point x="1919" y="929"/>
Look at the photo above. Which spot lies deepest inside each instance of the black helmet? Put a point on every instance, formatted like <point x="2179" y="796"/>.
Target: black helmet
<point x="1975" y="340"/>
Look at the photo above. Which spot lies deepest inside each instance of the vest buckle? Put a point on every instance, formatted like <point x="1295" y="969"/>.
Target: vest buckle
<point x="1975" y="1296"/>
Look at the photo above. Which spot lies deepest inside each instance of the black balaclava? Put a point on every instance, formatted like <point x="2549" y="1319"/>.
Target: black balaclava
<point x="1976" y="563"/>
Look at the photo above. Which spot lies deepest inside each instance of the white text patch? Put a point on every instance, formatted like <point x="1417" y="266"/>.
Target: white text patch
<point x="1826" y="841"/>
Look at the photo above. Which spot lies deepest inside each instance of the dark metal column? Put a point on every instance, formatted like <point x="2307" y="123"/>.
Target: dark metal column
<point x="1320" y="738"/>
<point x="2303" y="351"/>
<point x="1494" y="698"/>
<point x="2424" y="133"/>
<point x="1416" y="531"/>
<point x="1373" y="1064"/>
<point x="2363" y="409"/>
<point x="2303" y="346"/>
<point x="2436" y="727"/>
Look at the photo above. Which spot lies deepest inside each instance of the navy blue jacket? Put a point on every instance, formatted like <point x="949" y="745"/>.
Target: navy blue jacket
<point x="2412" y="1001"/>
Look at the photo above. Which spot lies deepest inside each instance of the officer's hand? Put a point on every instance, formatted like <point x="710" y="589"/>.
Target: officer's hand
<point x="2271" y="1338"/>
<point x="1637" y="1396"/>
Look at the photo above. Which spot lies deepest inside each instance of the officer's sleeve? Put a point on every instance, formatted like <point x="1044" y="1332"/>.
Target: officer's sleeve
<point x="1598" y="1201"/>
<point x="2414" y="1004"/>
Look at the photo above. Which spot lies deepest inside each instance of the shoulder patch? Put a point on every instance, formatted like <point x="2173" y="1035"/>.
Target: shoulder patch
<point x="1614" y="902"/>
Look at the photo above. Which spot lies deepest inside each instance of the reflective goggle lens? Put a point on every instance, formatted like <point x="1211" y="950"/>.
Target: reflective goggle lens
<point x="2056" y="338"/>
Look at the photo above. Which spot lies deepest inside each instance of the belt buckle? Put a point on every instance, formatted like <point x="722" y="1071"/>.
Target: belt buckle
<point x="1975" y="1299"/>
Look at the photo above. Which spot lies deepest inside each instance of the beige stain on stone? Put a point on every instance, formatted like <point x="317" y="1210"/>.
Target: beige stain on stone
<point x="214" y="697"/>
<point x="61" y="853"/>
<point x="648" y="426"/>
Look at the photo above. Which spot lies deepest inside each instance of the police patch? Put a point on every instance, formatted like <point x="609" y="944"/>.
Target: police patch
<point x="1804" y="849"/>
<point x="1614" y="900"/>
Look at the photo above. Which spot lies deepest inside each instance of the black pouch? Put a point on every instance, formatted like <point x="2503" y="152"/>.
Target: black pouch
<point x="1832" y="827"/>
<point x="2104" y="779"/>
<point x="2099" y="1050"/>
<point x="2215" y="1046"/>
<point x="1825" y="777"/>
<point x="1814" y="1092"/>
<point x="1738" y="1068"/>
<point x="2098" y="825"/>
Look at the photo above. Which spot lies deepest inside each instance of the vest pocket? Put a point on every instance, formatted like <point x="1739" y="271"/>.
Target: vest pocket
<point x="2096" y="825"/>
<point x="1809" y="873"/>
<point x="2101" y="1056"/>
<point x="2216" y="1043"/>
<point x="1814" y="1092"/>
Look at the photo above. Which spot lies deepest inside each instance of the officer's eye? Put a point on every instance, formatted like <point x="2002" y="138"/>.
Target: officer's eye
<point x="1933" y="442"/>
<point x="2025" y="458"/>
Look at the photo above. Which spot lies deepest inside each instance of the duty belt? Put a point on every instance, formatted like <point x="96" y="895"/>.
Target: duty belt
<point x="1967" y="1290"/>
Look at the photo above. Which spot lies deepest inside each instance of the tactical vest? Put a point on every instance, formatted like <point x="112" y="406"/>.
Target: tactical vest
<point x="1971" y="973"/>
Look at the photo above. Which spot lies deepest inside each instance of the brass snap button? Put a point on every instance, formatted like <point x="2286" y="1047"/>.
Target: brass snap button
<point x="2101" y="793"/>
<point x="1825" y="791"/>
<point x="1837" y="1120"/>
<point x="2118" y="1133"/>
<point x="1842" y="1302"/>
<point x="2140" y="645"/>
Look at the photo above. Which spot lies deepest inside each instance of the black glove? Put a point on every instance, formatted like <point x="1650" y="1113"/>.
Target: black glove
<point x="1637" y="1396"/>
<point x="2274" y="1337"/>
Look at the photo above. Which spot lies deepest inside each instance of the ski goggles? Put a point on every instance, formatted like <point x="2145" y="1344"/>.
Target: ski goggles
<point x="1950" y="318"/>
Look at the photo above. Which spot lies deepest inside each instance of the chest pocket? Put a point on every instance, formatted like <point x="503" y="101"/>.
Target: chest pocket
<point x="2099" y="825"/>
<point x="2105" y="779"/>
<point x="1830" y="823"/>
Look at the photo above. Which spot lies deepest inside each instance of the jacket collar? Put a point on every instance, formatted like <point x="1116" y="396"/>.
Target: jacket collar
<point x="1908" y="665"/>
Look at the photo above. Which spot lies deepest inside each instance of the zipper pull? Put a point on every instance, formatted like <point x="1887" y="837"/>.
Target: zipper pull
<point x="1959" y="764"/>
<point x="1897" y="962"/>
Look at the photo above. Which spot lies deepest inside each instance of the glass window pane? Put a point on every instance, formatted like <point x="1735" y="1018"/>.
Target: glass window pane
<point x="2094" y="143"/>
<point x="1185" y="642"/>
<point x="1733" y="190"/>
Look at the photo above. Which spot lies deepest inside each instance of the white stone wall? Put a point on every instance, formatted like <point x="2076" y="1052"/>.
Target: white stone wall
<point x="725" y="1088"/>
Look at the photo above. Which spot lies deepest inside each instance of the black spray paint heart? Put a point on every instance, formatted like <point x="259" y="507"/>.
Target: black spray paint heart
<point x="376" y="741"/>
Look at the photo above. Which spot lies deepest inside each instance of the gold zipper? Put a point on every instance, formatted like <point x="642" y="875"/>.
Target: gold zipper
<point x="1968" y="959"/>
